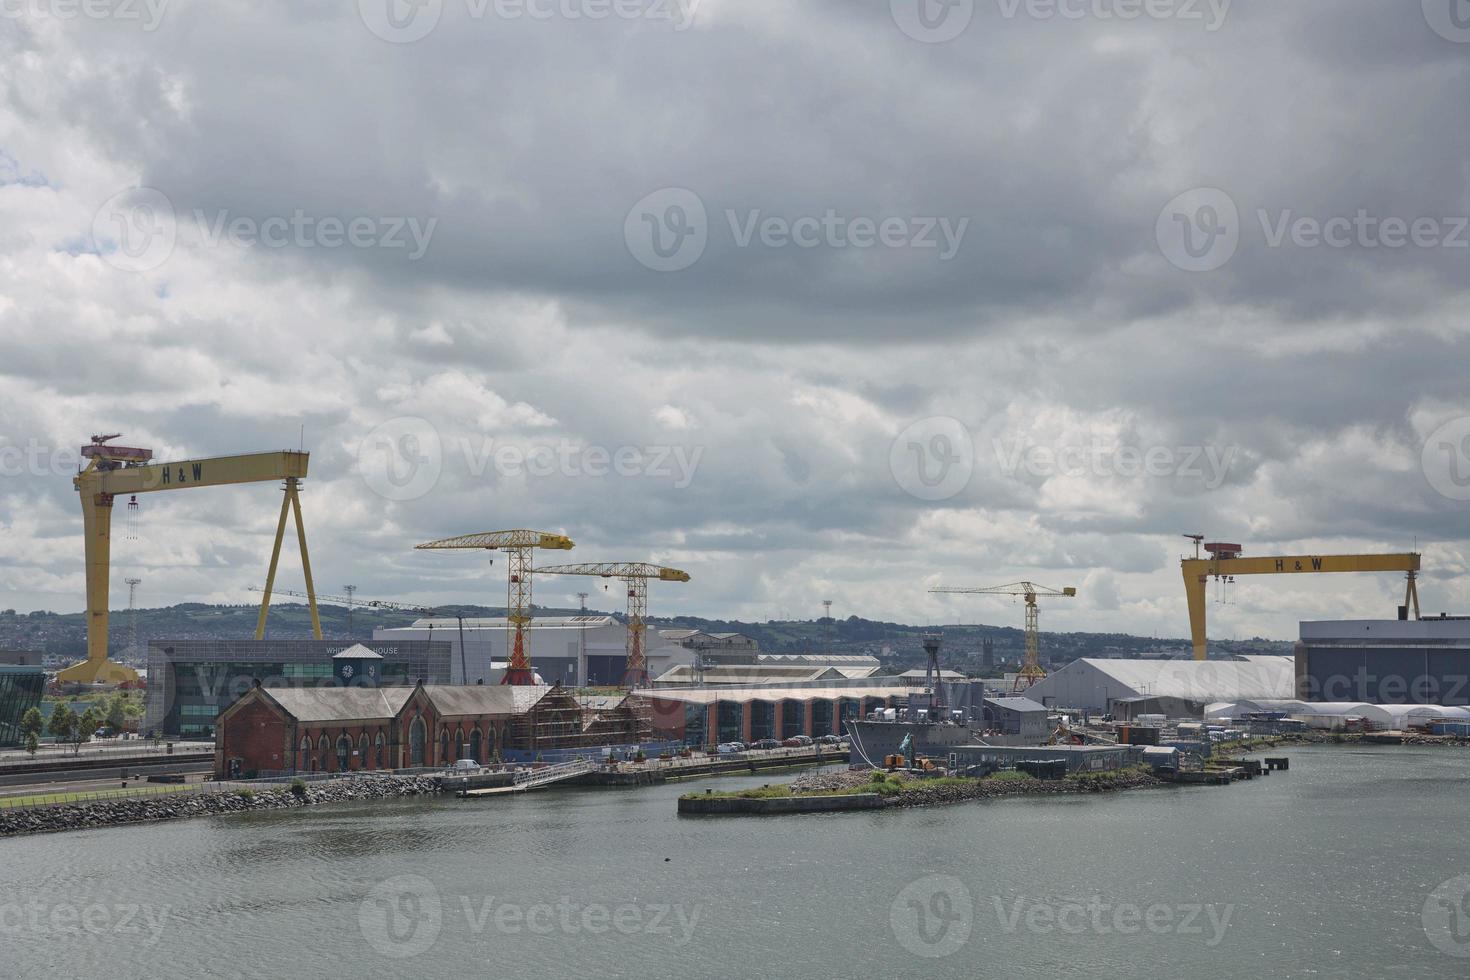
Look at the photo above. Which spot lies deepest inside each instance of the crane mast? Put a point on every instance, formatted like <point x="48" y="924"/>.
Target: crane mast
<point x="636" y="576"/>
<point x="1031" y="670"/>
<point x="518" y="546"/>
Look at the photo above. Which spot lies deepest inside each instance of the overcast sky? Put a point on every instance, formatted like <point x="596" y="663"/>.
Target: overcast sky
<point x="815" y="300"/>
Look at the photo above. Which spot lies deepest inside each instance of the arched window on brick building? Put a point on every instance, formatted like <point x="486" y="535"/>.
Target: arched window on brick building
<point x="378" y="751"/>
<point x="476" y="745"/>
<point x="304" y="762"/>
<point x="417" y="735"/>
<point x="324" y="750"/>
<point x="344" y="753"/>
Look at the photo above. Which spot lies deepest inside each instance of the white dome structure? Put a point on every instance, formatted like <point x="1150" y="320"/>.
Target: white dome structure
<point x="1335" y="715"/>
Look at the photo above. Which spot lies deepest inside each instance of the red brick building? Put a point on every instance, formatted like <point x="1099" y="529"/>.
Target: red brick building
<point x="342" y="729"/>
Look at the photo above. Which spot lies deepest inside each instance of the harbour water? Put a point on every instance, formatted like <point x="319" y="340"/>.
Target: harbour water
<point x="1330" y="870"/>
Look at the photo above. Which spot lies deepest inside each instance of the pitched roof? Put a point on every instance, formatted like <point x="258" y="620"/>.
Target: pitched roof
<point x="358" y="652"/>
<point x="334" y="703"/>
<point x="1204" y="680"/>
<point x="1017" y="704"/>
<point x="485" y="699"/>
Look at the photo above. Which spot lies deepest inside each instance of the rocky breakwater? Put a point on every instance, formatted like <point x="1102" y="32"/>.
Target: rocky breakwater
<point x="145" y="809"/>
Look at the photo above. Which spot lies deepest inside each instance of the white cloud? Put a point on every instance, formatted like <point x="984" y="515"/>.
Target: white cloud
<point x="782" y="374"/>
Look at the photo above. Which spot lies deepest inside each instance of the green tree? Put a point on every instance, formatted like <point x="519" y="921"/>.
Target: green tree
<point x="86" y="725"/>
<point x="33" y="742"/>
<point x="63" y="723"/>
<point x="117" y="712"/>
<point x="31" y="723"/>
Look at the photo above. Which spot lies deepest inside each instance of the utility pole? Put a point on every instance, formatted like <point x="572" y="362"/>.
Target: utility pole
<point x="350" y="590"/>
<point x="133" y="584"/>
<point x="830" y="629"/>
<point x="582" y="642"/>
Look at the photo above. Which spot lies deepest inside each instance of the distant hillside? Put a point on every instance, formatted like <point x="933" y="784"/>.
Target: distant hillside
<point x="896" y="644"/>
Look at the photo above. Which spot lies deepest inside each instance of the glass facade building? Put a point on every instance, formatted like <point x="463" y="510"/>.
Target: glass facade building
<point x="191" y="681"/>
<point x="21" y="689"/>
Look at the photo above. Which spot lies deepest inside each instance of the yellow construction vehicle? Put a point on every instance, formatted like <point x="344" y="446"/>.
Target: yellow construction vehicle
<point x="114" y="471"/>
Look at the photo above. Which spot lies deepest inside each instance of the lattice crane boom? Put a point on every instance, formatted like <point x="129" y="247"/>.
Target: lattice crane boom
<point x="636" y="575"/>
<point x="1031" y="670"/>
<point x="518" y="546"/>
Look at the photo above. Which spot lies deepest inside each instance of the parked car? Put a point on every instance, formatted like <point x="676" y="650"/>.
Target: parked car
<point x="729" y="748"/>
<point x="104" y="732"/>
<point x="768" y="743"/>
<point x="798" y="741"/>
<point x="465" y="765"/>
<point x="830" y="740"/>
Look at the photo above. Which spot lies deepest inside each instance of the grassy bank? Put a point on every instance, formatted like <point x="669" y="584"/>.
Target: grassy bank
<point x="900" y="789"/>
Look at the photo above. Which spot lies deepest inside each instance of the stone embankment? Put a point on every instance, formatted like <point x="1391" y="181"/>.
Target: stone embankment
<point x="146" y="809"/>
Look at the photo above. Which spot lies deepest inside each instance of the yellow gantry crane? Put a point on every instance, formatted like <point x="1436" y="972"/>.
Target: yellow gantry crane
<point x="1031" y="671"/>
<point x="636" y="575"/>
<point x="114" y="471"/>
<point x="1225" y="562"/>
<point x="518" y="546"/>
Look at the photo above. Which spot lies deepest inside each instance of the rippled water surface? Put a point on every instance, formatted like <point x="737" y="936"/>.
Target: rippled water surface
<point x="1329" y="870"/>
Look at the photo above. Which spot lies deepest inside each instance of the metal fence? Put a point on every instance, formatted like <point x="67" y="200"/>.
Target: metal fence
<point x="94" y="796"/>
<point x="52" y="751"/>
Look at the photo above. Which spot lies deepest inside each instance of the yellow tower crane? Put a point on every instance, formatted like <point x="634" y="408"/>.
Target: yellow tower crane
<point x="1225" y="562"/>
<point x="122" y="470"/>
<point x="518" y="545"/>
<point x="1031" y="671"/>
<point x="636" y="575"/>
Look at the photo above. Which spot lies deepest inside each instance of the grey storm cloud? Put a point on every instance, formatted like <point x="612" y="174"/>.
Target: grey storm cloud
<point x="863" y="230"/>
